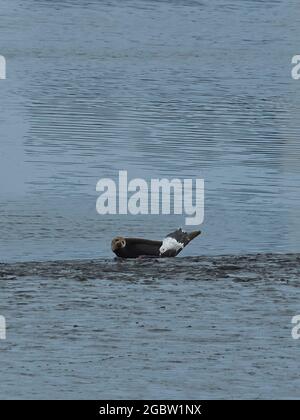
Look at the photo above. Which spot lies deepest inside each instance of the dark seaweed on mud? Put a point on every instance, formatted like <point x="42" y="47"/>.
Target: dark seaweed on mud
<point x="268" y="267"/>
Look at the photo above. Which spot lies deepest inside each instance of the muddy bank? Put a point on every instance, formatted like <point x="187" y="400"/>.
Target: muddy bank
<point x="254" y="267"/>
<point x="195" y="327"/>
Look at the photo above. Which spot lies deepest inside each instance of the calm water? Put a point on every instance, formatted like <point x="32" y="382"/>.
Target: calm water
<point x="181" y="88"/>
<point x="160" y="88"/>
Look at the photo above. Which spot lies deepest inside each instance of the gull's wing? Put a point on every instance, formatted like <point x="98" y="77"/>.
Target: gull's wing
<point x="175" y="241"/>
<point x="180" y="236"/>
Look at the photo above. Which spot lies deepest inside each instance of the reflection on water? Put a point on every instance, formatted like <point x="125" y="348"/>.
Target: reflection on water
<point x="100" y="87"/>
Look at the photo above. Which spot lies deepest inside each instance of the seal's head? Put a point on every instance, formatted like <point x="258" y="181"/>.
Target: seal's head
<point x="118" y="243"/>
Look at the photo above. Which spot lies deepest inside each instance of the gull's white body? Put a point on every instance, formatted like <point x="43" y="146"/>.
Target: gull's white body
<point x="170" y="244"/>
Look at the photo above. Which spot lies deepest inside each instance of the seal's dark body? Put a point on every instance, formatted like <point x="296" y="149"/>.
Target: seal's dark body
<point x="136" y="247"/>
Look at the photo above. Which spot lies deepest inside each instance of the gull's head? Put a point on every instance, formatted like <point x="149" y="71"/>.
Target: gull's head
<point x="165" y="251"/>
<point x="170" y="247"/>
<point x="162" y="249"/>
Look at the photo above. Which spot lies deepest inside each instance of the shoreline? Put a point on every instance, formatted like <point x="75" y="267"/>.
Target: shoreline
<point x="249" y="266"/>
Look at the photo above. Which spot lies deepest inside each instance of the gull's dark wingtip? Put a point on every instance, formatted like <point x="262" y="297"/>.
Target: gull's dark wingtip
<point x="193" y="235"/>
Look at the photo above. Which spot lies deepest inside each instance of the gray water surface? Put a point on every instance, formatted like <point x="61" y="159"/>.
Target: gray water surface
<point x="196" y="89"/>
<point x="182" y="88"/>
